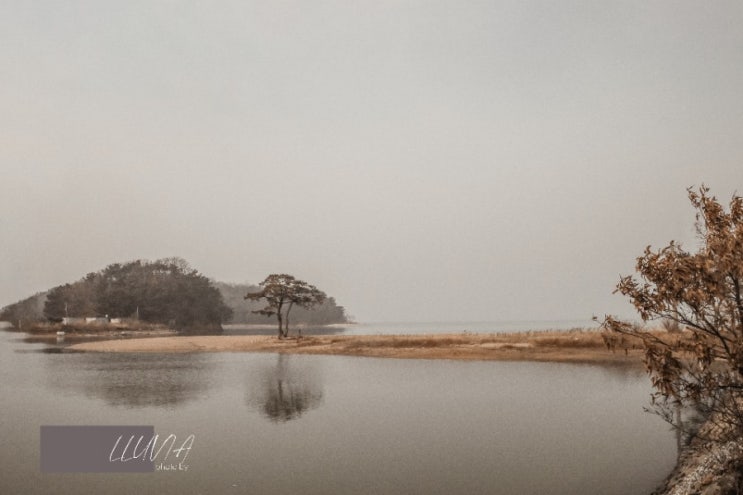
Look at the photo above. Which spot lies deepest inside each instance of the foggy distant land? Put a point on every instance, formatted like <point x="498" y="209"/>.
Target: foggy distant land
<point x="166" y="291"/>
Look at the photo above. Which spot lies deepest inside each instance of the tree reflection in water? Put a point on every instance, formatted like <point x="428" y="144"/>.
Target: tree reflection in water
<point x="133" y="380"/>
<point x="286" y="390"/>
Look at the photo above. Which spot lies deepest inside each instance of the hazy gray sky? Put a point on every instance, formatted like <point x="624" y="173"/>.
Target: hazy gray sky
<point x="437" y="160"/>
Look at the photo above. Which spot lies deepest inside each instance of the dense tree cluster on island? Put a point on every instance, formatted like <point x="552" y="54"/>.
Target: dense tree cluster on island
<point x="166" y="291"/>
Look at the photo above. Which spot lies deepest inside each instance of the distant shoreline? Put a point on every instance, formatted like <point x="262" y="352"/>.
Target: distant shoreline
<point x="573" y="346"/>
<point x="272" y="326"/>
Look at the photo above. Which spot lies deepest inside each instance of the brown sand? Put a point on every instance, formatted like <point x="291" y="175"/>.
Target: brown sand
<point x="568" y="346"/>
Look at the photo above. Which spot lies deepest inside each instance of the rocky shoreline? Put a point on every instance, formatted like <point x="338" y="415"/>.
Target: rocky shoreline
<point x="706" y="468"/>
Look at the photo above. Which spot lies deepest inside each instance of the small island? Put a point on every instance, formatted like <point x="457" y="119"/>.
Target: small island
<point x="149" y="298"/>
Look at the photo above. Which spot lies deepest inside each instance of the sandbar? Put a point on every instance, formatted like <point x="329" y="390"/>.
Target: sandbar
<point x="557" y="346"/>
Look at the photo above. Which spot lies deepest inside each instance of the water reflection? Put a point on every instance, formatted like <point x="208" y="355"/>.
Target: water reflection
<point x="285" y="390"/>
<point x="133" y="380"/>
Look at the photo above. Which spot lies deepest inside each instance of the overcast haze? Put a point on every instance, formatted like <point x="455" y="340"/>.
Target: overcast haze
<point x="417" y="160"/>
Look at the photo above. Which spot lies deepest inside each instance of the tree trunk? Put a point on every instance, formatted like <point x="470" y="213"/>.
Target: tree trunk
<point x="286" y="323"/>
<point x="278" y="316"/>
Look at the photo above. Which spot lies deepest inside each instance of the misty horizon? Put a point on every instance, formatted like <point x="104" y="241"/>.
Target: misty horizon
<point x="418" y="161"/>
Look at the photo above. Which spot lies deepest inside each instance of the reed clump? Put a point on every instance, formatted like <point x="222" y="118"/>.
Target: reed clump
<point x="404" y="341"/>
<point x="573" y="338"/>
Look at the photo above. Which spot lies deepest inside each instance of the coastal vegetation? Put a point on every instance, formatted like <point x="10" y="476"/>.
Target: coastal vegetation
<point x="697" y="369"/>
<point x="282" y="292"/>
<point x="166" y="292"/>
<point x="25" y="313"/>
<point x="245" y="311"/>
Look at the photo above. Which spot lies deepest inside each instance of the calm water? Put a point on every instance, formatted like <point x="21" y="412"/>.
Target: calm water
<point x="282" y="424"/>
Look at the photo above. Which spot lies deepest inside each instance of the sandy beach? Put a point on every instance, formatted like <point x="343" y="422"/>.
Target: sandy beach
<point x="566" y="347"/>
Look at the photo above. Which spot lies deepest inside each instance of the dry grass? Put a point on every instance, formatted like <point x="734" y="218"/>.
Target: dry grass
<point x="401" y="341"/>
<point x="542" y="339"/>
